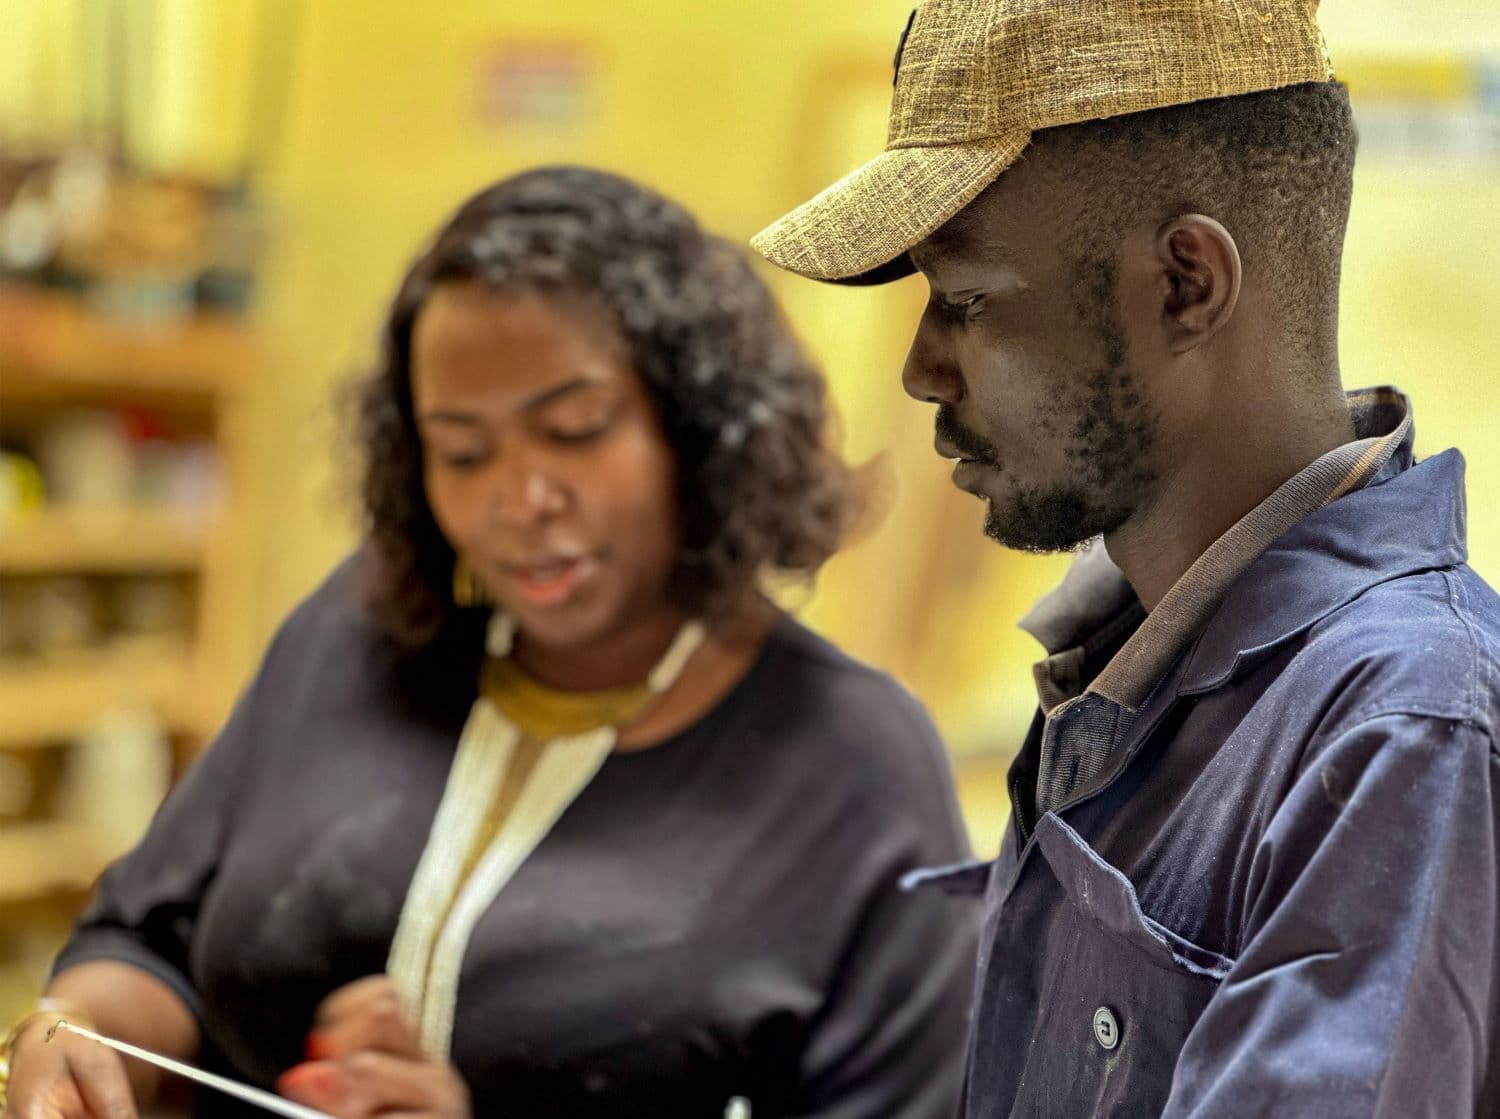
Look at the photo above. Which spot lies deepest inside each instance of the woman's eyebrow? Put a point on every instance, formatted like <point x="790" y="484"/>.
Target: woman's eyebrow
<point x="451" y="415"/>
<point x="548" y="396"/>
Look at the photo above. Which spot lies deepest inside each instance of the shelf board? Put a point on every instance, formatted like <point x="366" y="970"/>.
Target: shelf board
<point x="54" y="346"/>
<point x="41" y="857"/>
<point x="110" y="540"/>
<point x="45" y="701"/>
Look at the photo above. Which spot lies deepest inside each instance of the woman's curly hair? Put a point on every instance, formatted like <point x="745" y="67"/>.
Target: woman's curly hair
<point x="742" y="406"/>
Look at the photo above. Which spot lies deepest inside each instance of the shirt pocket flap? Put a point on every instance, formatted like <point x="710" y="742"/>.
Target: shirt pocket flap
<point x="1105" y="895"/>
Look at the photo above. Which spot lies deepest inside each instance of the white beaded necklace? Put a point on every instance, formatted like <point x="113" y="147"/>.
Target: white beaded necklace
<point x="440" y="911"/>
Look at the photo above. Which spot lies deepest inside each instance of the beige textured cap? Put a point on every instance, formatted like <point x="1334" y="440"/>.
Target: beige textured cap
<point x="975" y="78"/>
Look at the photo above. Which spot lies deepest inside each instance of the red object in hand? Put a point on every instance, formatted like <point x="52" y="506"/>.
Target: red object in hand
<point x="321" y="1047"/>
<point x="313" y="1083"/>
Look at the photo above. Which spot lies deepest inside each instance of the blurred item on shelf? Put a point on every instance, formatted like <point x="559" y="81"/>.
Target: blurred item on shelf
<point x="86" y="459"/>
<point x="116" y="776"/>
<point x="57" y="617"/>
<point x="33" y="783"/>
<point x="146" y="609"/>
<point x="21" y="486"/>
<point x="13" y="640"/>
<point x="141" y="245"/>
<point x="102" y="458"/>
<point x="17" y="783"/>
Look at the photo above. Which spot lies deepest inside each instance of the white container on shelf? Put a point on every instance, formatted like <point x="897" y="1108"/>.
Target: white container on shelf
<point x="116" y="777"/>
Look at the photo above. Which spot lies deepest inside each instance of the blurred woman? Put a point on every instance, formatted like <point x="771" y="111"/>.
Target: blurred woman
<point x="539" y="806"/>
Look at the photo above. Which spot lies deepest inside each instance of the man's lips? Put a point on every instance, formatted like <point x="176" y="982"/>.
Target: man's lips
<point x="954" y="441"/>
<point x="949" y="451"/>
<point x="968" y="468"/>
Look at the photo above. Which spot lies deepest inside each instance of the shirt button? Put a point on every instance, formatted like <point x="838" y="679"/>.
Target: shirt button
<point x="1106" y="1028"/>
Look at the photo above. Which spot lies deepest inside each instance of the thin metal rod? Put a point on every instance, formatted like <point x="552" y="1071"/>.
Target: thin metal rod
<point x="267" y="1100"/>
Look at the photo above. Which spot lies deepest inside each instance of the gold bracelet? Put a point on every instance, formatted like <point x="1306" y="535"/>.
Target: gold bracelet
<point x="61" y="1009"/>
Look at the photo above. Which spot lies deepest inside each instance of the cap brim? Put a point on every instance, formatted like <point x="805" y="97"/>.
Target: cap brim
<point x="860" y="229"/>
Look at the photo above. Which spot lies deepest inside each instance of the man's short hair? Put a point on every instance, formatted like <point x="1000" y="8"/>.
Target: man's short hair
<point x="1275" y="167"/>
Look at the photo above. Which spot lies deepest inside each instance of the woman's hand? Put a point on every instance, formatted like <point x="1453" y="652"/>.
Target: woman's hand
<point x="365" y="1059"/>
<point x="71" y="1077"/>
<point x="66" y="1077"/>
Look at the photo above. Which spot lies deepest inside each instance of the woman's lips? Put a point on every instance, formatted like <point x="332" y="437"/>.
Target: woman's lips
<point x="551" y="581"/>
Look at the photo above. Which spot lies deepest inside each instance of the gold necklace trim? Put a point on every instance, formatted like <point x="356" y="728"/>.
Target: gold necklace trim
<point x="445" y="901"/>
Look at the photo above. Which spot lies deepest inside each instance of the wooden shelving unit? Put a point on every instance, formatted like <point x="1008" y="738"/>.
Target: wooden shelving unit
<point x="45" y="858"/>
<point x="57" y="353"/>
<point x="104" y="540"/>
<point x="49" y="703"/>
<point x="54" y="347"/>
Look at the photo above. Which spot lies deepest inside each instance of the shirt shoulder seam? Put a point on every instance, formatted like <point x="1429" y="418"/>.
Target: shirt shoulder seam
<point x="1477" y="700"/>
<point x="1411" y="972"/>
<point x="1404" y="707"/>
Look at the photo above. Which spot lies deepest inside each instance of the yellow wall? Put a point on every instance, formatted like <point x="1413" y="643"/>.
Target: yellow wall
<point x="739" y="113"/>
<point x="739" y="109"/>
<point x="697" y="100"/>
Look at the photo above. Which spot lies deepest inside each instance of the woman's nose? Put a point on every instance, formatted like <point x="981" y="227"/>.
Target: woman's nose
<point x="525" y="493"/>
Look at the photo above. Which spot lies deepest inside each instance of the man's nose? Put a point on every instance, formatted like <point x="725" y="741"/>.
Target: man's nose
<point x="931" y="374"/>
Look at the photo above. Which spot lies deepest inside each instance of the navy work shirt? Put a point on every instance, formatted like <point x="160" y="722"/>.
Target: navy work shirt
<point x="1261" y="879"/>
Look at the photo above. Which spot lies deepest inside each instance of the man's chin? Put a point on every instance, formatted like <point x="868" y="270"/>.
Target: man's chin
<point x="1060" y="523"/>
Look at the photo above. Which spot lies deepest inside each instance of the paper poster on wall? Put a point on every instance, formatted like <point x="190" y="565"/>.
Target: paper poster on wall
<point x="539" y="84"/>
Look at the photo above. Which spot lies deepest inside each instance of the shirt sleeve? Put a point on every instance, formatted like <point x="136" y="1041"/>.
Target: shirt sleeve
<point x="890" y="1042"/>
<point x="145" y="906"/>
<point x="1366" y="986"/>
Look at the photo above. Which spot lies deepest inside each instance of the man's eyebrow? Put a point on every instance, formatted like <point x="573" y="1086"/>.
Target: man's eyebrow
<point x="956" y="246"/>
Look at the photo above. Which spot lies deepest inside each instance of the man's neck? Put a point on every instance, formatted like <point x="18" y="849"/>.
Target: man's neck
<point x="1224" y="475"/>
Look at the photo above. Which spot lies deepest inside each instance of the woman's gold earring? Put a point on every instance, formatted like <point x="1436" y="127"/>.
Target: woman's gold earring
<point x="467" y="588"/>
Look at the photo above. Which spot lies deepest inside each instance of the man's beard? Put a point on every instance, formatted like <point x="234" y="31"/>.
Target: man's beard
<point x="1033" y="520"/>
<point x="1111" y="440"/>
<point x="1058" y="520"/>
<point x="1111" y="437"/>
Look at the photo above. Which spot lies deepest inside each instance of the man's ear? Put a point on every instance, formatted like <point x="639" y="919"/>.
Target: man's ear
<point x="1200" y="270"/>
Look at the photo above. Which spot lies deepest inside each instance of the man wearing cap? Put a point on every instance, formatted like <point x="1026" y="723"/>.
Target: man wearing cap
<point x="1251" y="865"/>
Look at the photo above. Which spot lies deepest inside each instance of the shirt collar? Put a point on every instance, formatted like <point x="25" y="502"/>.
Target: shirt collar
<point x="1094" y="604"/>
